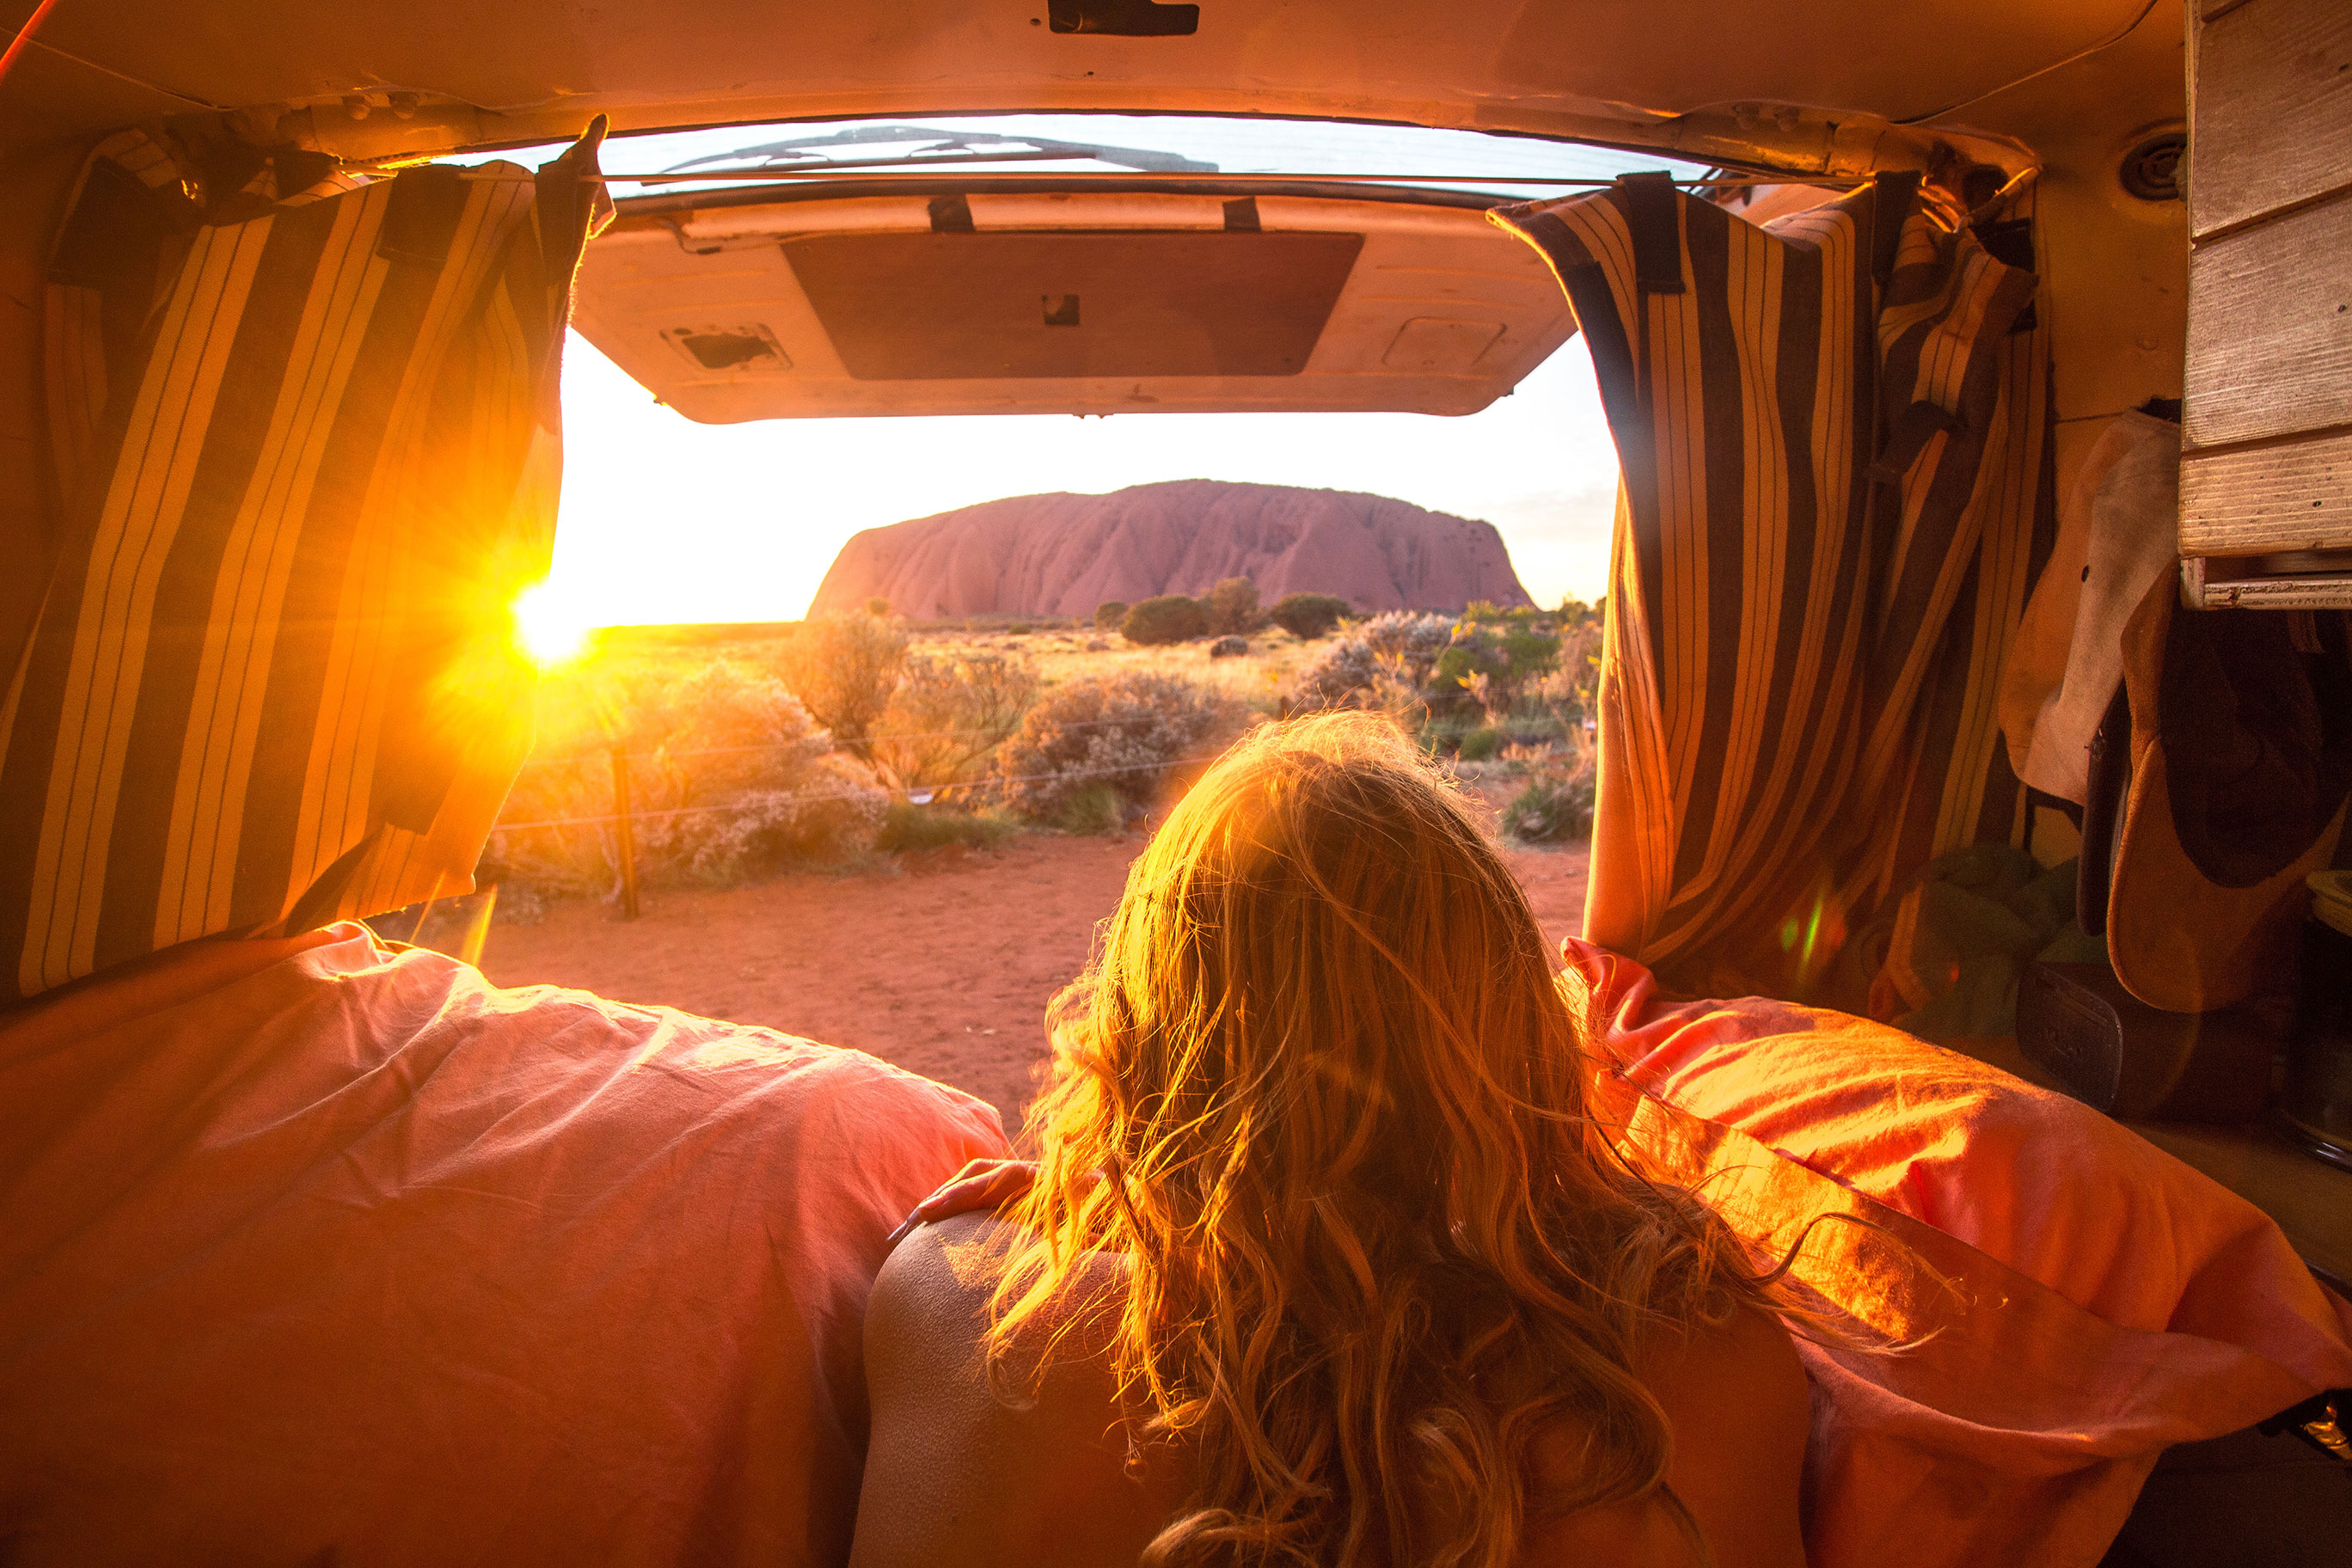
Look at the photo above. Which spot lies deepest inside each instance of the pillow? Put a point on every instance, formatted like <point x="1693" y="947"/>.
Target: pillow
<point x="2042" y="1183"/>
<point x="2079" y="1299"/>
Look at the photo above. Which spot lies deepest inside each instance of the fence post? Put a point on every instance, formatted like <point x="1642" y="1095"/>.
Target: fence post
<point x="628" y="833"/>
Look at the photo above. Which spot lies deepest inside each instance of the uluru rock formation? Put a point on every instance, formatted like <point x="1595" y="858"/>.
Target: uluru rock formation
<point x="1063" y="554"/>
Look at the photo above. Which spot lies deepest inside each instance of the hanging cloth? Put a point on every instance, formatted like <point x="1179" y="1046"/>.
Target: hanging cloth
<point x="1836" y="490"/>
<point x="304" y="451"/>
<point x="2118" y="536"/>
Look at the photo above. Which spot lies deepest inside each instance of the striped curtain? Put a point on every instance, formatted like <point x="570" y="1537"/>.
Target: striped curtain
<point x="1836" y="490"/>
<point x="304" y="452"/>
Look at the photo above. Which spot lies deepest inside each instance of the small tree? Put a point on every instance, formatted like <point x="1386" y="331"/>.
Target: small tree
<point x="951" y="711"/>
<point x="1171" y="617"/>
<point x="1231" y="607"/>
<point x="1308" y="615"/>
<point x="845" y="669"/>
<point x="1109" y="613"/>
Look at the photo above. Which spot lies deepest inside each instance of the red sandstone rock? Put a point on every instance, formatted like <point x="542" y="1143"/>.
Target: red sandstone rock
<point x="1063" y="554"/>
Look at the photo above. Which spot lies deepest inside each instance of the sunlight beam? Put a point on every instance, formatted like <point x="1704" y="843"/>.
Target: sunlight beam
<point x="551" y="624"/>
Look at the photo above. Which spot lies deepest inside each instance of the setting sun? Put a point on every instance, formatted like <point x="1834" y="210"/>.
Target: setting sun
<point x="551" y="624"/>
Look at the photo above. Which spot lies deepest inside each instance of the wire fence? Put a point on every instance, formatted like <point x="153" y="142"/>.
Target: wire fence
<point x="770" y="801"/>
<point x="624" y="818"/>
<point x="877" y="738"/>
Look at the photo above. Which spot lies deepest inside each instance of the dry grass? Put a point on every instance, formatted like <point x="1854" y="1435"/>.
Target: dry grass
<point x="1258" y="678"/>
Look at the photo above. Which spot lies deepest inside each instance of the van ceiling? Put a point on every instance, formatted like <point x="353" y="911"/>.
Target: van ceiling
<point x="1066" y="302"/>
<point x="370" y="78"/>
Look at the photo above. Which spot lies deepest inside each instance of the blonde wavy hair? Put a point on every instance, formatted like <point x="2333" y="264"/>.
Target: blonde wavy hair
<point x="1318" y="1090"/>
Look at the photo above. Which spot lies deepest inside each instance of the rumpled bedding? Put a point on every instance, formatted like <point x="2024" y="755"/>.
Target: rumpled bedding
<point x="311" y="1251"/>
<point x="2086" y="1300"/>
<point x="2074" y="1299"/>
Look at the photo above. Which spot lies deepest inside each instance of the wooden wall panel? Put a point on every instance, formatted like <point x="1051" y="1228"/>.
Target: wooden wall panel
<point x="2270" y="327"/>
<point x="2316" y="591"/>
<point x="2294" y="494"/>
<point x="2271" y="120"/>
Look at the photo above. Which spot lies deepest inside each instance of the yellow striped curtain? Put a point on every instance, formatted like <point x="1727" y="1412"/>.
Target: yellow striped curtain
<point x="305" y="444"/>
<point x="1836" y="490"/>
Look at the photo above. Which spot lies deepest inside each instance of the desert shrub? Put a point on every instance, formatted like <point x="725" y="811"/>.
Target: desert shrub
<point x="951" y="713"/>
<point x="1551" y="808"/>
<point x="1171" y="617"/>
<point x="1385" y="662"/>
<point x="909" y="828"/>
<point x="1408" y="643"/>
<point x="1092" y="809"/>
<point x="1231" y="607"/>
<point x="1342" y="675"/>
<point x="1574" y="613"/>
<point x="833" y="810"/>
<point x="1127" y="731"/>
<point x="1019" y="630"/>
<point x="878" y="607"/>
<point x="1493" y="656"/>
<point x="1481" y="744"/>
<point x="729" y="775"/>
<point x="845" y="669"/>
<point x="1525" y="755"/>
<point x="1555" y="802"/>
<point x="1308" y="614"/>
<point x="1229" y="648"/>
<point x="1109" y="613"/>
<point x="1571" y="690"/>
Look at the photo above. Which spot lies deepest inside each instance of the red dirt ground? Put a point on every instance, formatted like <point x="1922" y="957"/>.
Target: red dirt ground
<point x="944" y="968"/>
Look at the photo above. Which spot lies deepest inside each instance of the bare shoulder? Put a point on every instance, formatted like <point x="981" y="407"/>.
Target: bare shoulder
<point x="1740" y="1408"/>
<point x="939" y="1277"/>
<point x="958" y="1473"/>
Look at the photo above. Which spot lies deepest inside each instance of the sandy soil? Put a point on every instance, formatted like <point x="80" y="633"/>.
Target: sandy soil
<point x="944" y="968"/>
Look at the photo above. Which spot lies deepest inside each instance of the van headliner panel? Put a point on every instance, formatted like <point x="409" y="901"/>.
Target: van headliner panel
<point x="528" y="70"/>
<point x="1061" y="302"/>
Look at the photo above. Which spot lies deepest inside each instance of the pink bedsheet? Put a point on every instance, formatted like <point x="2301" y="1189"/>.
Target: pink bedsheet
<point x="309" y="1252"/>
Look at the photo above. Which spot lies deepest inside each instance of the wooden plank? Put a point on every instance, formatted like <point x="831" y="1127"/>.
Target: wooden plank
<point x="2270" y="329"/>
<point x="2318" y="591"/>
<point x="2270" y="110"/>
<point x="2294" y="494"/>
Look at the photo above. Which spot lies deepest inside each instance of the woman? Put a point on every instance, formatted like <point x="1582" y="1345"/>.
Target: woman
<point x="1323" y="1262"/>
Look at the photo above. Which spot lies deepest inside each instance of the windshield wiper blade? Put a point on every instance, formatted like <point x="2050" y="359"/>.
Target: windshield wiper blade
<point x="952" y="147"/>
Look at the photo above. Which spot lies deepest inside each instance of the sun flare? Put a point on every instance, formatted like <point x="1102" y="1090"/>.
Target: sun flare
<point x="551" y="625"/>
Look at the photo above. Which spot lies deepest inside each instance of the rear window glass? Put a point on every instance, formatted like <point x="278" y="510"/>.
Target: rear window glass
<point x="1514" y="166"/>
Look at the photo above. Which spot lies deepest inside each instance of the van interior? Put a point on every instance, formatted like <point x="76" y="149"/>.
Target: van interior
<point x="2091" y="577"/>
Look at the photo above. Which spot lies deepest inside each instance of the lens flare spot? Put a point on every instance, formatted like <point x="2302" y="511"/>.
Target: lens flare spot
<point x="551" y="625"/>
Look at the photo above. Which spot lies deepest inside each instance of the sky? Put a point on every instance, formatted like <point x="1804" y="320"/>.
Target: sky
<point x="666" y="519"/>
